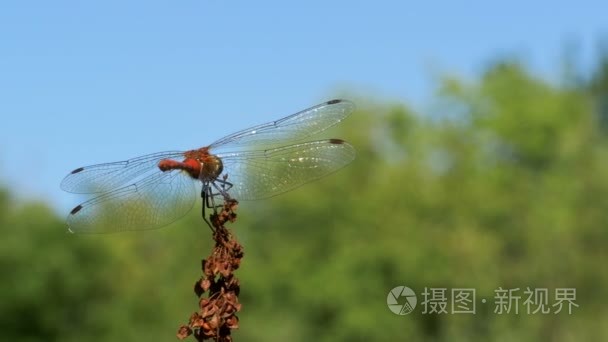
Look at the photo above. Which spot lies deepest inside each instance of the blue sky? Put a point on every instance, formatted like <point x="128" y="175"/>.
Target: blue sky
<point x="89" y="82"/>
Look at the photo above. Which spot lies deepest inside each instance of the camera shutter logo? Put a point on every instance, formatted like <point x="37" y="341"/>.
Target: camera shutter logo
<point x="401" y="300"/>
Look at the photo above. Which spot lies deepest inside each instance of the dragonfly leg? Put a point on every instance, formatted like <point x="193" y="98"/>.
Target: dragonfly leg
<point x="208" y="195"/>
<point x="205" y="197"/>
<point x="223" y="187"/>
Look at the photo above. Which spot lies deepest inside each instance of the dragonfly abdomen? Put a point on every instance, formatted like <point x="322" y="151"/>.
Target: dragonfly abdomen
<point x="191" y="166"/>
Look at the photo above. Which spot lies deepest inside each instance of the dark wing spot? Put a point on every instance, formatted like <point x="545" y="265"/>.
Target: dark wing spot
<point x="77" y="170"/>
<point x="75" y="210"/>
<point x="333" y="102"/>
<point x="336" y="141"/>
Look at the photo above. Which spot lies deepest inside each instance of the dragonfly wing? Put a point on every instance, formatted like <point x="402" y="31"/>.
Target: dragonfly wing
<point x="294" y="127"/>
<point x="266" y="173"/>
<point x="153" y="202"/>
<point x="104" y="177"/>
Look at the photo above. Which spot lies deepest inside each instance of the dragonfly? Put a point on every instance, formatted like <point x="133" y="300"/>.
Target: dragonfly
<point x="154" y="190"/>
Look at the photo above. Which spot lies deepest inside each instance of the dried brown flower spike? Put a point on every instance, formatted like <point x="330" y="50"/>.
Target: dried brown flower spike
<point x="217" y="312"/>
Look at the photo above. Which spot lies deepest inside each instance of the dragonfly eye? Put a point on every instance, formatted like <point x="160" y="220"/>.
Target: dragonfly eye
<point x="212" y="168"/>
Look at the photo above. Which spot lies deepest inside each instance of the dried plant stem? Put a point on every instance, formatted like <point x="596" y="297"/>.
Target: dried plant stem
<point x="217" y="311"/>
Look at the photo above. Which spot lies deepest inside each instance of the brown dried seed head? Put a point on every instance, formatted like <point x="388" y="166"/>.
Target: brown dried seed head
<point x="196" y="321"/>
<point x="183" y="332"/>
<point x="203" y="303"/>
<point x="214" y="322"/>
<point x="232" y="322"/>
<point x="205" y="284"/>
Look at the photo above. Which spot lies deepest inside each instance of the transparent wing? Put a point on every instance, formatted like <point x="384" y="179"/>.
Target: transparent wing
<point x="103" y="177"/>
<point x="153" y="202"/>
<point x="266" y="173"/>
<point x="294" y="127"/>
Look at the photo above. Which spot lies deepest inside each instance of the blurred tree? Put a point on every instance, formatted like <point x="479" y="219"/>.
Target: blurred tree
<point x="598" y="85"/>
<point x="506" y="190"/>
<point x="44" y="293"/>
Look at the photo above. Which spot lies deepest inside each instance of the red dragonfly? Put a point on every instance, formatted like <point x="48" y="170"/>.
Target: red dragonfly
<point x="155" y="190"/>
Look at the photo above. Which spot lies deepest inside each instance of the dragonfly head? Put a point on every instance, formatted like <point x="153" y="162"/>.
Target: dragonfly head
<point x="211" y="168"/>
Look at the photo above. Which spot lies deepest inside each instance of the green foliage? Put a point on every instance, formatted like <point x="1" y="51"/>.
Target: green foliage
<point x="506" y="188"/>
